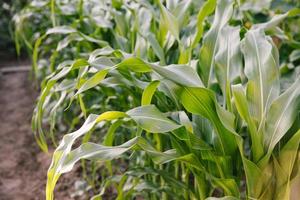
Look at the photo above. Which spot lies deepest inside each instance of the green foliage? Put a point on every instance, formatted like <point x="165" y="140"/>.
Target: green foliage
<point x="190" y="117"/>
<point x="7" y="10"/>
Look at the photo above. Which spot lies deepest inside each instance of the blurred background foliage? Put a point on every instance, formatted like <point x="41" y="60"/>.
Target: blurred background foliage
<point x="8" y="9"/>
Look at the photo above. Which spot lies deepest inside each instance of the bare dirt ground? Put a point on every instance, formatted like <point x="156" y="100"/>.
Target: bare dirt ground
<point x="23" y="167"/>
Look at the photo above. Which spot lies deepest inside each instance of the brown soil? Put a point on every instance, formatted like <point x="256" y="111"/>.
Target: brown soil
<point x="23" y="167"/>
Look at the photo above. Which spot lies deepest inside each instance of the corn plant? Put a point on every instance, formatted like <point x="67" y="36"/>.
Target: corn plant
<point x="179" y="99"/>
<point x="7" y="10"/>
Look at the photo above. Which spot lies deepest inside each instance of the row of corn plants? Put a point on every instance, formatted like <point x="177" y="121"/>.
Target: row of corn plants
<point x="177" y="99"/>
<point x="7" y="10"/>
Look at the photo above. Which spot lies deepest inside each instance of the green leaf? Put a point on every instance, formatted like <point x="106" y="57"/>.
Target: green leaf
<point x="60" y="156"/>
<point x="281" y="115"/>
<point x="93" y="81"/>
<point x="241" y="104"/>
<point x="181" y="74"/>
<point x="228" y="61"/>
<point x="229" y="186"/>
<point x="211" y="41"/>
<point x="149" y="92"/>
<point x="294" y="12"/>
<point x="284" y="166"/>
<point x="169" y="21"/>
<point x="262" y="71"/>
<point x="156" y="47"/>
<point x="67" y="40"/>
<point x="109" y="137"/>
<point x="295" y="55"/>
<point x="181" y="12"/>
<point x="276" y="20"/>
<point x="35" y="54"/>
<point x="38" y="116"/>
<point x="152" y="120"/>
<point x="258" y="180"/>
<point x="61" y="30"/>
<point x="60" y="153"/>
<point x="202" y="102"/>
<point x="97" y="152"/>
<point x="207" y="8"/>
<point x="184" y="120"/>
<point x="135" y="64"/>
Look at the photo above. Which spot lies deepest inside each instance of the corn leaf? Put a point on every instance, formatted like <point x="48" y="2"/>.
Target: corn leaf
<point x="202" y="102"/>
<point x="281" y="115"/>
<point x="149" y="92"/>
<point x="228" y="61"/>
<point x="262" y="71"/>
<point x="284" y="166"/>
<point x="152" y="120"/>
<point x="211" y="41"/>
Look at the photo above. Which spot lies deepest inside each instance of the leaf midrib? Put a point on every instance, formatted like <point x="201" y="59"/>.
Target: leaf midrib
<point x="208" y="111"/>
<point x="280" y="118"/>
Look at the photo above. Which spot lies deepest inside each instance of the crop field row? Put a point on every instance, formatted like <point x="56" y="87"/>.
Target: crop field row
<point x="167" y="99"/>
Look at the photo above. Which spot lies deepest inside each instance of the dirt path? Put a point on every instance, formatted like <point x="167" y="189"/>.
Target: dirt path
<point x="22" y="165"/>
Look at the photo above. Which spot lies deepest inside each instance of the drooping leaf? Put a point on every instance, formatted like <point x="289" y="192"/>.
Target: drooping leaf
<point x="94" y="151"/>
<point x="149" y="92"/>
<point x="61" y="30"/>
<point x="276" y="20"/>
<point x="295" y="55"/>
<point x="60" y="156"/>
<point x="93" y="81"/>
<point x="152" y="120"/>
<point x="181" y="74"/>
<point x="135" y="64"/>
<point x="37" y="118"/>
